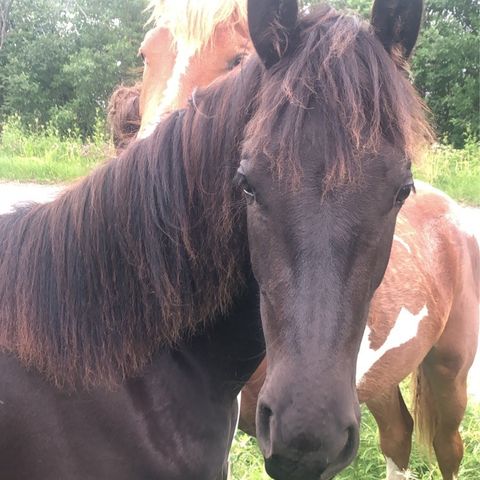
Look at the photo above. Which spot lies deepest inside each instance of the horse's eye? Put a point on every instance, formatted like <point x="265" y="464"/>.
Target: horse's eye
<point x="241" y="180"/>
<point x="235" y="61"/>
<point x="403" y="193"/>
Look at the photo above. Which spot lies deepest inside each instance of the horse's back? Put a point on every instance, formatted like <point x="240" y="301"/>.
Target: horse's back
<point x="152" y="427"/>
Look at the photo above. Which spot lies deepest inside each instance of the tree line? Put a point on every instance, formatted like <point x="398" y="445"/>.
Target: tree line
<point x="61" y="59"/>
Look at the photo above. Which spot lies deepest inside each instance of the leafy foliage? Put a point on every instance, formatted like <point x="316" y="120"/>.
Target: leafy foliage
<point x="445" y="65"/>
<point x="62" y="59"/>
<point x="5" y="6"/>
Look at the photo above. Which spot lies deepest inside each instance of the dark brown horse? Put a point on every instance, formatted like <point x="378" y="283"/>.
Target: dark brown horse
<point x="127" y="307"/>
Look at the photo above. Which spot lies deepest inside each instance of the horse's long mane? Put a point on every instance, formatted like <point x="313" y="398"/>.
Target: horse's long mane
<point x="152" y="245"/>
<point x="192" y="23"/>
<point x="138" y="255"/>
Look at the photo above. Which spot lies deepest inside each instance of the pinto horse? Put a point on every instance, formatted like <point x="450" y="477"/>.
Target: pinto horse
<point x="423" y="317"/>
<point x="127" y="306"/>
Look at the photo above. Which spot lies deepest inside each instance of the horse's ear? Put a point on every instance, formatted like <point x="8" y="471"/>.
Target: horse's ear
<point x="271" y="23"/>
<point x="397" y="23"/>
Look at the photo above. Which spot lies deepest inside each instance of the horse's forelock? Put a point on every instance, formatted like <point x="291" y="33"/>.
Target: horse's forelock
<point x="361" y="94"/>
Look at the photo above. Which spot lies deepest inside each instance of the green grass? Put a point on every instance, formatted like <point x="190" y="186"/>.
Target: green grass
<point x="456" y="172"/>
<point x="247" y="462"/>
<point x="42" y="156"/>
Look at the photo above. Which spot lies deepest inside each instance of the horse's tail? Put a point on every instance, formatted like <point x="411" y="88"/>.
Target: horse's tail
<point x="424" y="412"/>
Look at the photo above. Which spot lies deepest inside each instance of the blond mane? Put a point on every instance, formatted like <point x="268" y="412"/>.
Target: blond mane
<point x="193" y="22"/>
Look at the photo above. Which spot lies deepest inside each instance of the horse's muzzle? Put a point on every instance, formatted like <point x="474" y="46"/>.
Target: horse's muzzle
<point x="299" y="446"/>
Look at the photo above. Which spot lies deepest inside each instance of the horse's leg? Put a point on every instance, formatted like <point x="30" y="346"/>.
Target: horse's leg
<point x="395" y="425"/>
<point x="445" y="370"/>
<point x="446" y="396"/>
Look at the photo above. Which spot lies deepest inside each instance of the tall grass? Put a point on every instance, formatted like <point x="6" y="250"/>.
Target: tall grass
<point x="39" y="154"/>
<point x="456" y="172"/>
<point x="247" y="462"/>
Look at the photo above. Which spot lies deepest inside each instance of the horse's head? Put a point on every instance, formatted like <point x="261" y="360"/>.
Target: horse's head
<point x="193" y="45"/>
<point x="325" y="170"/>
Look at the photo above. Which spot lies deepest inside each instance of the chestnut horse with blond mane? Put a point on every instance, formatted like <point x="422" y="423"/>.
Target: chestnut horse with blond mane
<point x="424" y="316"/>
<point x="128" y="310"/>
<point x="191" y="44"/>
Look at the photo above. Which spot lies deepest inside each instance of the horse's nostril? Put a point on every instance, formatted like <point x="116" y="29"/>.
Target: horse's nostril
<point x="350" y="447"/>
<point x="264" y="413"/>
<point x="352" y="435"/>
<point x="264" y="416"/>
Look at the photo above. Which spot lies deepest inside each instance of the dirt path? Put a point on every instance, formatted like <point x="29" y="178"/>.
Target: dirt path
<point x="15" y="193"/>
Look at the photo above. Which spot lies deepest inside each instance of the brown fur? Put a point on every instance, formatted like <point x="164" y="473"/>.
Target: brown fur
<point x="123" y="115"/>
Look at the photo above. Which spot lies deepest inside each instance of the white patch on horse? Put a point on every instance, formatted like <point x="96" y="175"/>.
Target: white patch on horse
<point x="395" y="473"/>
<point x="404" y="330"/>
<point x="185" y="53"/>
<point x="403" y="243"/>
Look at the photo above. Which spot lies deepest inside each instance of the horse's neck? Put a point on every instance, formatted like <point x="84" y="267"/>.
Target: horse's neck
<point x="223" y="356"/>
<point x="235" y="345"/>
<point x="138" y="255"/>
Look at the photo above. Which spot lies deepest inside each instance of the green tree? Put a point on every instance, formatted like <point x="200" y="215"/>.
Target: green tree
<point x="62" y="59"/>
<point x="445" y="65"/>
<point x="5" y="6"/>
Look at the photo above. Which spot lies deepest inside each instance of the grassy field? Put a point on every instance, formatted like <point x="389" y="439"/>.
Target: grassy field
<point x="456" y="172"/>
<point x="43" y="157"/>
<point x="247" y="462"/>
